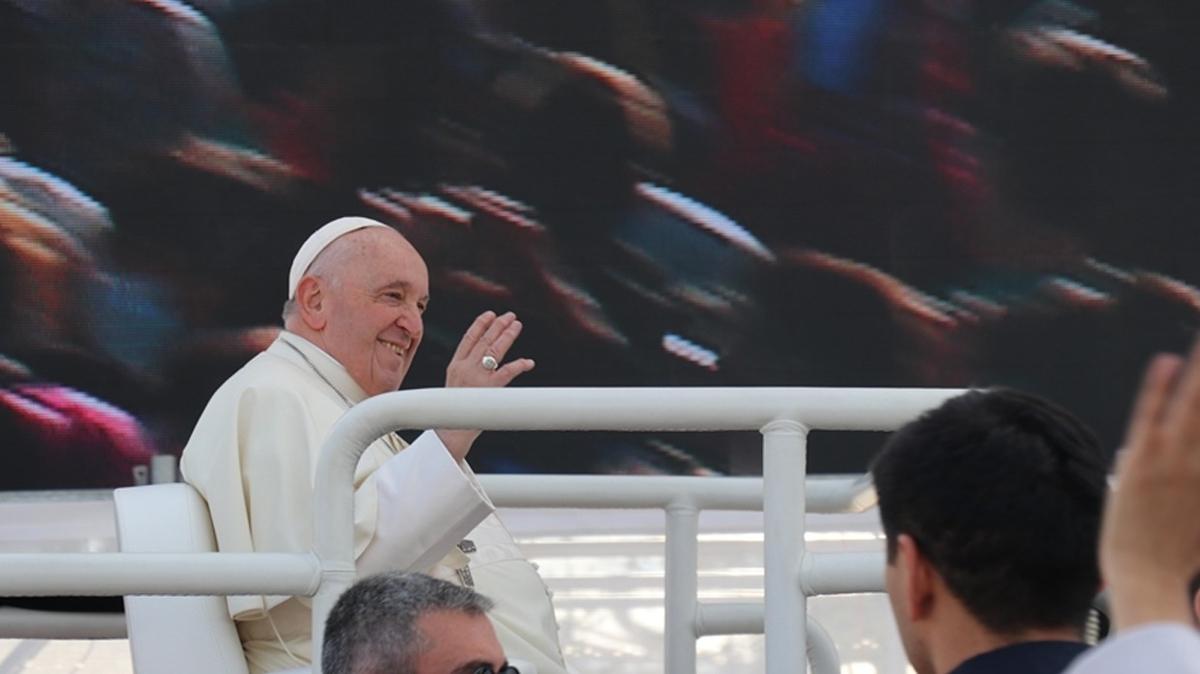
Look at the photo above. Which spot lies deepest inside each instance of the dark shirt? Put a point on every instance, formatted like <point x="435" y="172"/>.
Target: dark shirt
<point x="1031" y="657"/>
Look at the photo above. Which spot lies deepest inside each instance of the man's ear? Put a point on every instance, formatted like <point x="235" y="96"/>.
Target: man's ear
<point x="918" y="577"/>
<point x="312" y="302"/>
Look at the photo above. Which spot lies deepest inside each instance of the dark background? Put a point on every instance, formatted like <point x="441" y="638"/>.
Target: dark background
<point x="667" y="192"/>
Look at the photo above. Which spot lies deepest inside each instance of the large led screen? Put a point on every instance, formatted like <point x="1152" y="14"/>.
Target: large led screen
<point x="934" y="193"/>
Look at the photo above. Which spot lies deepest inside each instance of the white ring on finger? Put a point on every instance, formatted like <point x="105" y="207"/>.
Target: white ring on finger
<point x="489" y="363"/>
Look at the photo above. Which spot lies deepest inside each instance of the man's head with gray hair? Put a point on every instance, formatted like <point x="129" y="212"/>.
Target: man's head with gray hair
<point x="409" y="623"/>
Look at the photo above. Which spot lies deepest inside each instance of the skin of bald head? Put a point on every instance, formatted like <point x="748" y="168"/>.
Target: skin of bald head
<point x="362" y="302"/>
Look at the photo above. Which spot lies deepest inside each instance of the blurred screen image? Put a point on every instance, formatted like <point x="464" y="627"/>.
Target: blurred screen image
<point x="925" y="193"/>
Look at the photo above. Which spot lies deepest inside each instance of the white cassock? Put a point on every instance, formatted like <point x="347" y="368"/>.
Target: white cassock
<point x="1163" y="648"/>
<point x="253" y="457"/>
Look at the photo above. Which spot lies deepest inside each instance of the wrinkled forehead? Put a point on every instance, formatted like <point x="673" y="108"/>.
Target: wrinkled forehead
<point x="380" y="257"/>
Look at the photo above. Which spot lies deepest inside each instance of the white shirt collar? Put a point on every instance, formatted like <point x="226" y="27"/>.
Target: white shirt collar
<point x="315" y="358"/>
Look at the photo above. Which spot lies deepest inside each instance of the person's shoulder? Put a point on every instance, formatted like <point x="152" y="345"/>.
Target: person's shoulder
<point x="267" y="392"/>
<point x="267" y="381"/>
<point x="1163" y="648"/>
<point x="266" y="371"/>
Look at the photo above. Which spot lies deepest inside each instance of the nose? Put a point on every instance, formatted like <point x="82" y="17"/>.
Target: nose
<point x="410" y="321"/>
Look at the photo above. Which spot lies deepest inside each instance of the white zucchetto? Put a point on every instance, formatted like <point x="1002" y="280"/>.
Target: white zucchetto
<point x="319" y="241"/>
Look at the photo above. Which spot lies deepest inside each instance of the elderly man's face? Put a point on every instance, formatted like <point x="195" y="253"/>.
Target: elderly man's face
<point x="458" y="643"/>
<point x="376" y="301"/>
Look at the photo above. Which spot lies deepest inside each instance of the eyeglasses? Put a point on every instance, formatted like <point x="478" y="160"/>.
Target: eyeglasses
<point x="487" y="669"/>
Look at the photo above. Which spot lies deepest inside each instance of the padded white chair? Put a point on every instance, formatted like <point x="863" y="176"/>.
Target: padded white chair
<point x="174" y="635"/>
<point x="180" y="635"/>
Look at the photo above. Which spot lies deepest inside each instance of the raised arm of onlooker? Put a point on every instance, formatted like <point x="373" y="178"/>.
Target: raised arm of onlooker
<point x="1150" y="541"/>
<point x="1150" y="546"/>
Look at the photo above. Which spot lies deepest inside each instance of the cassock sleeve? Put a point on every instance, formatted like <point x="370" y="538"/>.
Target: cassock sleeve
<point x="253" y="458"/>
<point x="1163" y="648"/>
<point x="427" y="504"/>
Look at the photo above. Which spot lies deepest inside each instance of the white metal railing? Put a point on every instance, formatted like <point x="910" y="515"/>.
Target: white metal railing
<point x="784" y="416"/>
<point x="682" y="499"/>
<point x="21" y="623"/>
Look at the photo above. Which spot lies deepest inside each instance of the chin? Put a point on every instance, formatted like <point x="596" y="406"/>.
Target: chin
<point x="394" y="385"/>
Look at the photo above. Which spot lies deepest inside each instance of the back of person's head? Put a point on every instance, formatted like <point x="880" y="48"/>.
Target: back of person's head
<point x="1002" y="492"/>
<point x="373" y="627"/>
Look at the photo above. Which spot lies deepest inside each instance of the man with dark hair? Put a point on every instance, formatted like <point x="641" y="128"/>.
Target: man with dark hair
<point x="408" y="623"/>
<point x="991" y="505"/>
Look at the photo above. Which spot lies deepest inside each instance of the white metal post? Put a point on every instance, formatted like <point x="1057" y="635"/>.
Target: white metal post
<point x="680" y="586"/>
<point x="747" y="618"/>
<point x="842" y="572"/>
<point x="822" y="652"/>
<point x="108" y="574"/>
<point x="784" y="466"/>
<point x="333" y="509"/>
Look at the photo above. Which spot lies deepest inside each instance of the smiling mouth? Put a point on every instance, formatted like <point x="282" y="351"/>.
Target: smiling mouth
<point x="394" y="347"/>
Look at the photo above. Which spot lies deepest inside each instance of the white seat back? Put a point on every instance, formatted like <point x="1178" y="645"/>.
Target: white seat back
<point x="175" y="635"/>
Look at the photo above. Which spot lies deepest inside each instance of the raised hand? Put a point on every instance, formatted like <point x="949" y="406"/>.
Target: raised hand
<point x="1150" y="544"/>
<point x="479" y="361"/>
